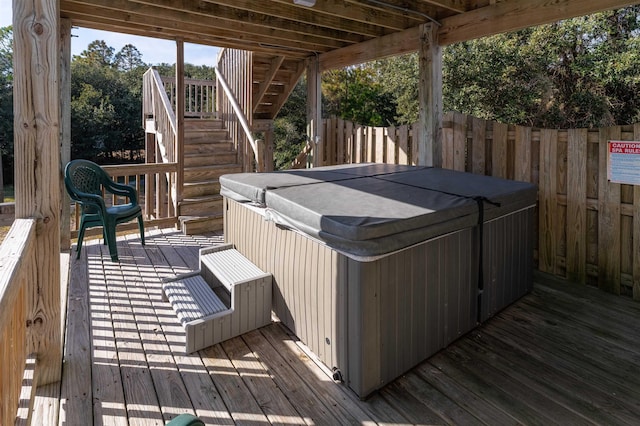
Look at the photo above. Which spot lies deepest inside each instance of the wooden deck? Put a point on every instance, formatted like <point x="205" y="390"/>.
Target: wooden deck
<point x="562" y="355"/>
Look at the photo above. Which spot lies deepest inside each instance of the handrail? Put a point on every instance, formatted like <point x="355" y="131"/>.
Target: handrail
<point x="16" y="285"/>
<point x="157" y="104"/>
<point x="242" y="118"/>
<point x="301" y="159"/>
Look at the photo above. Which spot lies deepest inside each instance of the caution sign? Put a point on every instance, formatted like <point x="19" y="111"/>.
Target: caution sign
<point x="624" y="162"/>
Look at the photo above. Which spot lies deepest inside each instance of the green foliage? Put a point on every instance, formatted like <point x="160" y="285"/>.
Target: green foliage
<point x="128" y="59"/>
<point x="106" y="104"/>
<point x="356" y="94"/>
<point x="6" y="102"/>
<point x="398" y="77"/>
<point x="581" y="72"/>
<point x="200" y="72"/>
<point x="290" y="127"/>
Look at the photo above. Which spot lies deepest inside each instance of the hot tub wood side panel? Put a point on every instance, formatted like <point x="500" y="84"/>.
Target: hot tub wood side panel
<point x="508" y="258"/>
<point x="405" y="307"/>
<point x="376" y="320"/>
<point x="308" y="291"/>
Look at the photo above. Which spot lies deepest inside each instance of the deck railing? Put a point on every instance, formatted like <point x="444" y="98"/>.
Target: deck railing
<point x="199" y="96"/>
<point x="153" y="182"/>
<point x="17" y="365"/>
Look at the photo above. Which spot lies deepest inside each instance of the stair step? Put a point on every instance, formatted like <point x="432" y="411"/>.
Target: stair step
<point x="190" y="225"/>
<point x="206" y="173"/>
<point x="201" y="206"/>
<point x="201" y="189"/>
<point x="208" y="147"/>
<point x="227" y="297"/>
<point x="199" y="136"/>
<point x="192" y="298"/>
<point x="210" y="159"/>
<point x="208" y="123"/>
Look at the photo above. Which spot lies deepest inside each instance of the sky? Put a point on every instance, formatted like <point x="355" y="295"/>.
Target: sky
<point x="154" y="51"/>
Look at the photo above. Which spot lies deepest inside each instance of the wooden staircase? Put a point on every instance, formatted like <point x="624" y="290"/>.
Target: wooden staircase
<point x="274" y="78"/>
<point x="208" y="154"/>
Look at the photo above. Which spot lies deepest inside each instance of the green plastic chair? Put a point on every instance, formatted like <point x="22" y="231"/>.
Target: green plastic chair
<point x="85" y="181"/>
<point x="186" y="420"/>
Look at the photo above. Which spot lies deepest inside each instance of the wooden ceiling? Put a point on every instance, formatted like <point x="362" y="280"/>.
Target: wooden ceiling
<point x="351" y="30"/>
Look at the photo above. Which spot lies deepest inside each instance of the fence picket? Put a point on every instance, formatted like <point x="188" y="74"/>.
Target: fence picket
<point x="577" y="205"/>
<point x="499" y="150"/>
<point x="547" y="202"/>
<point x="522" y="165"/>
<point x="608" y="219"/>
<point x="459" y="141"/>
<point x="478" y="146"/>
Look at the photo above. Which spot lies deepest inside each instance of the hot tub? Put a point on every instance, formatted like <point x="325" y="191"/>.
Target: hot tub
<point x="376" y="267"/>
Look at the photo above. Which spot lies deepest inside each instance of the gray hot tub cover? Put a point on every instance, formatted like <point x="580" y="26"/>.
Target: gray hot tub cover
<point x="373" y="209"/>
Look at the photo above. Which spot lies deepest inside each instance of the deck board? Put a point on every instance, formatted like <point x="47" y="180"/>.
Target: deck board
<point x="564" y="354"/>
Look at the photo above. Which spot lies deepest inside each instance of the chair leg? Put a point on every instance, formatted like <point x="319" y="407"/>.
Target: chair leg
<point x="110" y="236"/>
<point x="80" y="237"/>
<point x="141" y="227"/>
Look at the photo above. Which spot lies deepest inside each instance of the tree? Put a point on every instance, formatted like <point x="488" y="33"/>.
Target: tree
<point x="6" y="103"/>
<point x="97" y="54"/>
<point x="128" y="59"/>
<point x="398" y="77"/>
<point x="356" y="94"/>
<point x="106" y="104"/>
<point x="290" y="127"/>
<point x="580" y="72"/>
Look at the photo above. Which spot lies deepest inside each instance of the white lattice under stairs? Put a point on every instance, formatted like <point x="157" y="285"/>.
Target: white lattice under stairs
<point x="227" y="297"/>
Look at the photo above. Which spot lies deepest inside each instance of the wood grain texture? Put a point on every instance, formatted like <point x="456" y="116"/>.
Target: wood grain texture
<point x="499" y="150"/>
<point x="577" y="206"/>
<point x="36" y="71"/>
<point x="478" y="146"/>
<point x="547" y="202"/>
<point x="608" y="219"/>
<point x="523" y="153"/>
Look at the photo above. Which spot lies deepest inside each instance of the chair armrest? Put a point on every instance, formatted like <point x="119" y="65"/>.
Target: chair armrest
<point x="92" y="199"/>
<point x="121" y="190"/>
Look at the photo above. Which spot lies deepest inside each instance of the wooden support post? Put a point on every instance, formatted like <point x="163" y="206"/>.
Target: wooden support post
<point x="430" y="98"/>
<point x="180" y="108"/>
<point x="65" y="129"/>
<point x="36" y="91"/>
<point x="269" y="138"/>
<point x="314" y="109"/>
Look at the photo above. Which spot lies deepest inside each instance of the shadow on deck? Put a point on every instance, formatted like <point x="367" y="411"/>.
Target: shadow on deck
<point x="564" y="354"/>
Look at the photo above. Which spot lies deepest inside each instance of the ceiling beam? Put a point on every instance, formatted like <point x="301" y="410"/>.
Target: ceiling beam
<point x="180" y="24"/>
<point x="393" y="44"/>
<point x="490" y="20"/>
<point x="340" y="12"/>
<point x="265" y="14"/>
<point x="518" y="14"/>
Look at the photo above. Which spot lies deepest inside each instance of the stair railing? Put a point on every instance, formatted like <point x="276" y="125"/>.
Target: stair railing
<point x="302" y="159"/>
<point x="200" y="96"/>
<point x="156" y="105"/>
<point x="159" y="118"/>
<point x="235" y="104"/>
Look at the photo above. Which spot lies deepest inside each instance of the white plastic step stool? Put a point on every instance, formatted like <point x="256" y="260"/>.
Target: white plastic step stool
<point x="228" y="296"/>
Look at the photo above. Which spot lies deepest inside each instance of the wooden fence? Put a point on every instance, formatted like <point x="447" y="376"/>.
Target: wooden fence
<point x="588" y="228"/>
